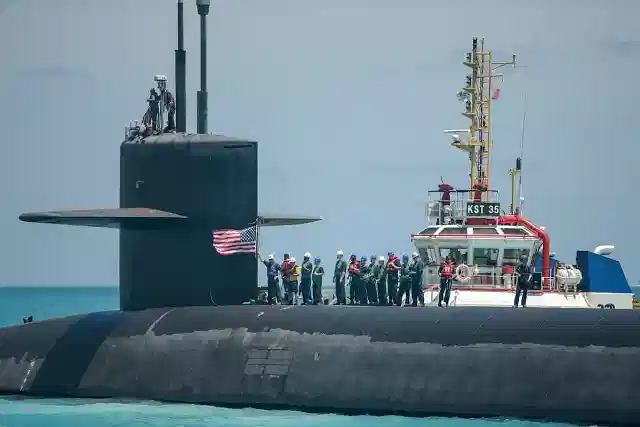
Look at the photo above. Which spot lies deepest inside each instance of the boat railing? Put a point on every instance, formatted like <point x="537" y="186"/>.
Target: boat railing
<point x="490" y="196"/>
<point x="458" y="205"/>
<point x="495" y="280"/>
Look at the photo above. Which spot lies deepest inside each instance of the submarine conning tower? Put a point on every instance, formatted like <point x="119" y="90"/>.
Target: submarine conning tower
<point x="176" y="188"/>
<point x="211" y="182"/>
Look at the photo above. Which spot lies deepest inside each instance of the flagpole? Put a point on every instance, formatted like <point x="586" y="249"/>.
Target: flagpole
<point x="258" y="223"/>
<point x="257" y="254"/>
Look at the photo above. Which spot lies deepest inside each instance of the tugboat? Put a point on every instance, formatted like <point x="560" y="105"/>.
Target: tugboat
<point x="470" y="226"/>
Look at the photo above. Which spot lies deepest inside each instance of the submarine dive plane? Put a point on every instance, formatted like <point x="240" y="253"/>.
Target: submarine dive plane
<point x="183" y="335"/>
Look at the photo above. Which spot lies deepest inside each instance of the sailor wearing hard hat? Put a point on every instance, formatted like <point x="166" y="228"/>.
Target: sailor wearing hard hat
<point x="305" y="278"/>
<point x="381" y="281"/>
<point x="316" y="277"/>
<point x="416" y="270"/>
<point x="339" y="276"/>
<point x="293" y="281"/>
<point x="273" y="285"/>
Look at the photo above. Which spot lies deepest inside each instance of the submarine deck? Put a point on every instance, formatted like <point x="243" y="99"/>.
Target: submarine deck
<point x="466" y="325"/>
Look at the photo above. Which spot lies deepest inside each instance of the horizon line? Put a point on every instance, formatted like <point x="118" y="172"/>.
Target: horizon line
<point x="53" y="285"/>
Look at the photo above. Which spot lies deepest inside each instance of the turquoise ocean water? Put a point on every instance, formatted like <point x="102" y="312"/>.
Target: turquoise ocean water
<point x="47" y="302"/>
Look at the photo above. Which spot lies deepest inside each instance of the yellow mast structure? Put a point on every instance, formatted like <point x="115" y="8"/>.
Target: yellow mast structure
<point x="477" y="96"/>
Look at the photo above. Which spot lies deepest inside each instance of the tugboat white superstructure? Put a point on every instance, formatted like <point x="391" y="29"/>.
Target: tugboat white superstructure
<point x="471" y="226"/>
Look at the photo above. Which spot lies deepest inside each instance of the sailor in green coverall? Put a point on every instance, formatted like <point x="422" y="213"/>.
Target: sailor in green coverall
<point x="405" y="282"/>
<point x="339" y="277"/>
<point x="305" y="278"/>
<point x="363" y="279"/>
<point x="371" y="281"/>
<point x="416" y="270"/>
<point x="316" y="277"/>
<point x="381" y="281"/>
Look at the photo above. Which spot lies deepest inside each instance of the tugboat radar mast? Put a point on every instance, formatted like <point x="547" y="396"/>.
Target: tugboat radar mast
<point x="477" y="95"/>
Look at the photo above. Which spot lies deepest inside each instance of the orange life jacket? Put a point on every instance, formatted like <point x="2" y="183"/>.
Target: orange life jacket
<point x="287" y="269"/>
<point x="447" y="269"/>
<point x="391" y="266"/>
<point x="354" y="268"/>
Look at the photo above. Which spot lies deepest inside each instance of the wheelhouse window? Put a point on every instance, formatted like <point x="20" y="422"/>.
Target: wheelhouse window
<point x="485" y="257"/>
<point x="458" y="255"/>
<point x="485" y="230"/>
<point x="515" y="231"/>
<point x="429" y="256"/>
<point x="429" y="230"/>
<point x="454" y="230"/>
<point x="512" y="256"/>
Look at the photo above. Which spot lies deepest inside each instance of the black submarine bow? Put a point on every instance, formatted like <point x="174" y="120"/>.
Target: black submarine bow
<point x="175" y="188"/>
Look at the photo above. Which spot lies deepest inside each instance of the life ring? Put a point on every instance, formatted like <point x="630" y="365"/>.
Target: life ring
<point x="462" y="273"/>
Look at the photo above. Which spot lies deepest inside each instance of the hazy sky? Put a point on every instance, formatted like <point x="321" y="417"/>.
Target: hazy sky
<point x="348" y="100"/>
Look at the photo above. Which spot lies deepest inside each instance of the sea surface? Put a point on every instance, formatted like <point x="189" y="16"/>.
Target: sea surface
<point x="48" y="302"/>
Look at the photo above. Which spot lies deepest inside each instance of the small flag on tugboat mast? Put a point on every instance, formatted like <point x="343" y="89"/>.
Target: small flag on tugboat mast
<point x="230" y="241"/>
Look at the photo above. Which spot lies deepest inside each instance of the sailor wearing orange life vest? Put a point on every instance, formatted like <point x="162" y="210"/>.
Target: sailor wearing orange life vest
<point x="289" y="280"/>
<point x="285" y="276"/>
<point x="393" y="269"/>
<point x="354" y="278"/>
<point x="445" y="271"/>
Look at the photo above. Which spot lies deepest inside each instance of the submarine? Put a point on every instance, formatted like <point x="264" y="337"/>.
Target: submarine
<point x="184" y="332"/>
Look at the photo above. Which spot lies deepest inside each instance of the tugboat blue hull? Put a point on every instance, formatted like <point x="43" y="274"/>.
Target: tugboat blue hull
<point x="554" y="364"/>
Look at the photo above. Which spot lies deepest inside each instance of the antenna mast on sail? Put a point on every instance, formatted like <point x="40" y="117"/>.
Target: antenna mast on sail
<point x="478" y="93"/>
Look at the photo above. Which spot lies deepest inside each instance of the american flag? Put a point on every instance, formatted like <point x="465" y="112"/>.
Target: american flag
<point x="229" y="242"/>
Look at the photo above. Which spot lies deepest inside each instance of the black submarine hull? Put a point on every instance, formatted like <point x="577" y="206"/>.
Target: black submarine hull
<point x="570" y="365"/>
